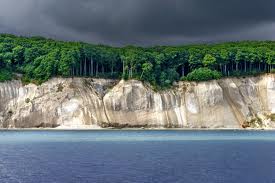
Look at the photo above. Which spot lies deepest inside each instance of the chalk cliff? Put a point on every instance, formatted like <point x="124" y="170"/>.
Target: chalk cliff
<point x="95" y="103"/>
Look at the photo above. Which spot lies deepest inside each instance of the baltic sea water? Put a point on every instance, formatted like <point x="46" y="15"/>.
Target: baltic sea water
<point x="122" y="156"/>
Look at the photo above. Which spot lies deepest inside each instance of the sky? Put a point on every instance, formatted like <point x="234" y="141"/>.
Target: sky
<point x="140" y="22"/>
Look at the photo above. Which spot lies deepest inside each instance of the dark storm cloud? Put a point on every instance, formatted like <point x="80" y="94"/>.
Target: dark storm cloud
<point x="143" y="22"/>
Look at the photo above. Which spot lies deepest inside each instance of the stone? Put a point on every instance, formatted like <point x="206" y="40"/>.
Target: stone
<point x="98" y="103"/>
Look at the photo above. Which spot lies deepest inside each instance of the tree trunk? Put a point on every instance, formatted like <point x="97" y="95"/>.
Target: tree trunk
<point x="96" y="69"/>
<point x="102" y="67"/>
<point x="142" y="74"/>
<point x="225" y="69"/>
<point x="182" y="71"/>
<point x="73" y="71"/>
<point x="80" y="65"/>
<point x="112" y="67"/>
<point x="123" y="72"/>
<point x="92" y="66"/>
<point x="131" y="72"/>
<point x="85" y="67"/>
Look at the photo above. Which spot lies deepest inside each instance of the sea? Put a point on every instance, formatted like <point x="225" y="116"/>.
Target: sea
<point x="137" y="156"/>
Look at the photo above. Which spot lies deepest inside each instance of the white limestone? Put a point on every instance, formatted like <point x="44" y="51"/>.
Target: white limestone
<point x="94" y="103"/>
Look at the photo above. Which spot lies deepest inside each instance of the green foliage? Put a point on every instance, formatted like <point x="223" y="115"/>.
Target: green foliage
<point x="203" y="74"/>
<point x="39" y="59"/>
<point x="209" y="60"/>
<point x="147" y="69"/>
<point x="5" y="75"/>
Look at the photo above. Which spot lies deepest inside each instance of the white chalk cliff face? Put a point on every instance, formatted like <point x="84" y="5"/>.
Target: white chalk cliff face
<point x="96" y="103"/>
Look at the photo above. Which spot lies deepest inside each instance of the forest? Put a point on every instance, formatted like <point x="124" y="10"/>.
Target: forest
<point x="38" y="59"/>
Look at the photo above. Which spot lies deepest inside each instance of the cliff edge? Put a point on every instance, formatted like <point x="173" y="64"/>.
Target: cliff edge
<point x="94" y="103"/>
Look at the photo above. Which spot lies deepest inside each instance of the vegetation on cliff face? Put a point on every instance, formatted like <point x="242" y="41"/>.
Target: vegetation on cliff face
<point x="39" y="59"/>
<point x="5" y="75"/>
<point x="203" y="74"/>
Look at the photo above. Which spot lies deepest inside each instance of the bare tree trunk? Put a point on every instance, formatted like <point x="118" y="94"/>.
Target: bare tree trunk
<point x="96" y="69"/>
<point x="141" y="74"/>
<point x="131" y="71"/>
<point x="92" y="66"/>
<point x="80" y="65"/>
<point x="112" y="67"/>
<point x="73" y="71"/>
<point x="85" y="67"/>
<point x="123" y="72"/>
<point x="225" y="69"/>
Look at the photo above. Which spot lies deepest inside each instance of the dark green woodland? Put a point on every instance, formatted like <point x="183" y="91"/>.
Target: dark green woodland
<point x="38" y="59"/>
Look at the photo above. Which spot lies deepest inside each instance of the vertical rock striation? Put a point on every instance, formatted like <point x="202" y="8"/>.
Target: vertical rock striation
<point x="94" y="103"/>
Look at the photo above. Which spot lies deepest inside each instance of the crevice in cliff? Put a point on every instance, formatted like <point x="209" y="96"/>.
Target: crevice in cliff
<point x="238" y="115"/>
<point x="249" y="105"/>
<point x="105" y="111"/>
<point x="189" y="105"/>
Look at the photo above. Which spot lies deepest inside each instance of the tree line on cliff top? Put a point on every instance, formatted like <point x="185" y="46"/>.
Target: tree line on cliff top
<point x="39" y="59"/>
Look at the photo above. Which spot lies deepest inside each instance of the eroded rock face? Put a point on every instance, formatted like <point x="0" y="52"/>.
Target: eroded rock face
<point x="93" y="103"/>
<point x="72" y="103"/>
<point x="130" y="102"/>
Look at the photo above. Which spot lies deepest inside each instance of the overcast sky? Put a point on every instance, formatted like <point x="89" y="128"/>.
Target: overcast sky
<point x="140" y="22"/>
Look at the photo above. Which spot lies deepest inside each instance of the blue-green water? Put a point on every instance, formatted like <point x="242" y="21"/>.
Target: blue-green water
<point x="137" y="156"/>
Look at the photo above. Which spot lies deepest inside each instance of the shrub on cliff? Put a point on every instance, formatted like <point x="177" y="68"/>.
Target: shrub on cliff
<point x="5" y="75"/>
<point x="203" y="74"/>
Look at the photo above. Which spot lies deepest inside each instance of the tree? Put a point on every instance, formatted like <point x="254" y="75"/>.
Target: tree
<point x="224" y="60"/>
<point x="271" y="59"/>
<point x="129" y="58"/>
<point x="146" y="69"/>
<point x="195" y="58"/>
<point x="68" y="60"/>
<point x="18" y="53"/>
<point x="39" y="59"/>
<point x="209" y="61"/>
<point x="240" y="56"/>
